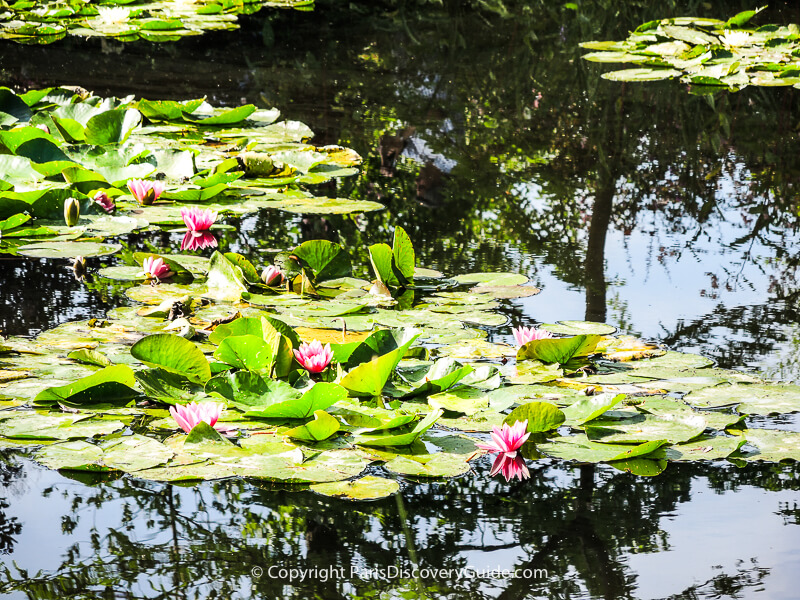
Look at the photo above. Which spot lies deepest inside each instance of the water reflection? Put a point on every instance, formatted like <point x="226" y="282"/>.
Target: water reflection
<point x="198" y="240"/>
<point x="583" y="532"/>
<point x="488" y="139"/>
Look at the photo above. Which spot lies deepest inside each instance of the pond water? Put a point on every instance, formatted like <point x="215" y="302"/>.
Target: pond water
<point x="670" y="215"/>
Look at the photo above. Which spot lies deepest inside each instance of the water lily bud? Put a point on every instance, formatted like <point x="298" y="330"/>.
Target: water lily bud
<point x="271" y="276"/>
<point x="72" y="211"/>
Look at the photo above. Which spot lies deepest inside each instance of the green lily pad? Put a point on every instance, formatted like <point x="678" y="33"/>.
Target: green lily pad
<point x="440" y="465"/>
<point x="558" y="350"/>
<point x="641" y="427"/>
<point x="248" y="352"/>
<point x="75" y="455"/>
<point x="318" y="398"/>
<point x="35" y="426"/>
<point x="579" y="328"/>
<point x="109" y="385"/>
<point x="772" y="445"/>
<point x="643" y="467"/>
<point x="759" y="399"/>
<point x="591" y="407"/>
<point x="541" y="416"/>
<point x="333" y="465"/>
<point x="68" y="249"/>
<point x="174" y="354"/>
<point x="466" y="400"/>
<point x="399" y="437"/>
<point x="491" y="279"/>
<point x="705" y="447"/>
<point x="325" y="259"/>
<point x="368" y="487"/>
<point x="579" y="448"/>
<point x="532" y="371"/>
<point x="321" y="428"/>
<point x="368" y="378"/>
<point x="134" y="453"/>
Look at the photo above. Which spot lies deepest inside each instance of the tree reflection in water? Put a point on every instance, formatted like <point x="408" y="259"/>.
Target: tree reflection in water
<point x="581" y="525"/>
<point x="497" y="148"/>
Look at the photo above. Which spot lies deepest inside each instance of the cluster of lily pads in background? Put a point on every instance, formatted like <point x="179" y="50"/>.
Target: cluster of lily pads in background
<point x="706" y="52"/>
<point x="409" y="385"/>
<point x="38" y="22"/>
<point x="306" y="374"/>
<point x="59" y="144"/>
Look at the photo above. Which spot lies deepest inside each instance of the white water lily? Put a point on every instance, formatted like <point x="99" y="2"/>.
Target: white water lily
<point x="113" y="14"/>
<point x="735" y="38"/>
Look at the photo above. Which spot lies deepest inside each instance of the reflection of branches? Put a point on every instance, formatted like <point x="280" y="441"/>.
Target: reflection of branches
<point x="578" y="524"/>
<point x="726" y="586"/>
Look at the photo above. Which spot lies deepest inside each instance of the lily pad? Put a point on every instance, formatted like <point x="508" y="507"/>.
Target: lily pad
<point x="174" y="354"/>
<point x="759" y="399"/>
<point x="321" y="428"/>
<point x="68" y="249"/>
<point x="541" y="416"/>
<point x="579" y="448"/>
<point x="75" y="455"/>
<point x="368" y="487"/>
<point x="491" y="279"/>
<point x="437" y="466"/>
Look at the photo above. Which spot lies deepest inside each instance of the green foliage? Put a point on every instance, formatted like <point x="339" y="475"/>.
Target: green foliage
<point x="705" y="53"/>
<point x="159" y="21"/>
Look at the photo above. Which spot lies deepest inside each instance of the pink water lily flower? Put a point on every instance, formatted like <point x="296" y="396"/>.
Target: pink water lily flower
<point x="314" y="357"/>
<point x="271" y="275"/>
<point x="198" y="240"/>
<point x="155" y="268"/>
<point x="510" y="467"/>
<point x="523" y="335"/>
<point x="146" y="192"/>
<point x="507" y="439"/>
<point x="106" y="203"/>
<point x="198" y="219"/>
<point x="189" y="415"/>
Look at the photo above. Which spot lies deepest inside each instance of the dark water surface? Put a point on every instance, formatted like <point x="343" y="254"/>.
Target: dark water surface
<point x="670" y="215"/>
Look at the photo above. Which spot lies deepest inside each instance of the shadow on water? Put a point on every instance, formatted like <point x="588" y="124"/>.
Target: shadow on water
<point x="670" y="215"/>
<point x="582" y="532"/>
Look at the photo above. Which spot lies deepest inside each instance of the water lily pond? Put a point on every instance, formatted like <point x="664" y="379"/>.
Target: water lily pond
<point x="410" y="300"/>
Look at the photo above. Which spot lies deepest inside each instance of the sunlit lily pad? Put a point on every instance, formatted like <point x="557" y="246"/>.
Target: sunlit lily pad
<point x="32" y="425"/>
<point x="579" y="328"/>
<point x="439" y="465"/>
<point x="491" y="279"/>
<point x="773" y="445"/>
<point x="368" y="487"/>
<point x="134" y="453"/>
<point x="706" y="447"/>
<point x="645" y="427"/>
<point x="72" y="455"/>
<point x="579" y="448"/>
<point x="68" y="249"/>
<point x="758" y="399"/>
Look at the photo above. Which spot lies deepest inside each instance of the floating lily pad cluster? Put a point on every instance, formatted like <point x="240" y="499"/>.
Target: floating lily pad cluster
<point x="414" y="384"/>
<point x="706" y="52"/>
<point x="61" y="143"/>
<point x="44" y="22"/>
